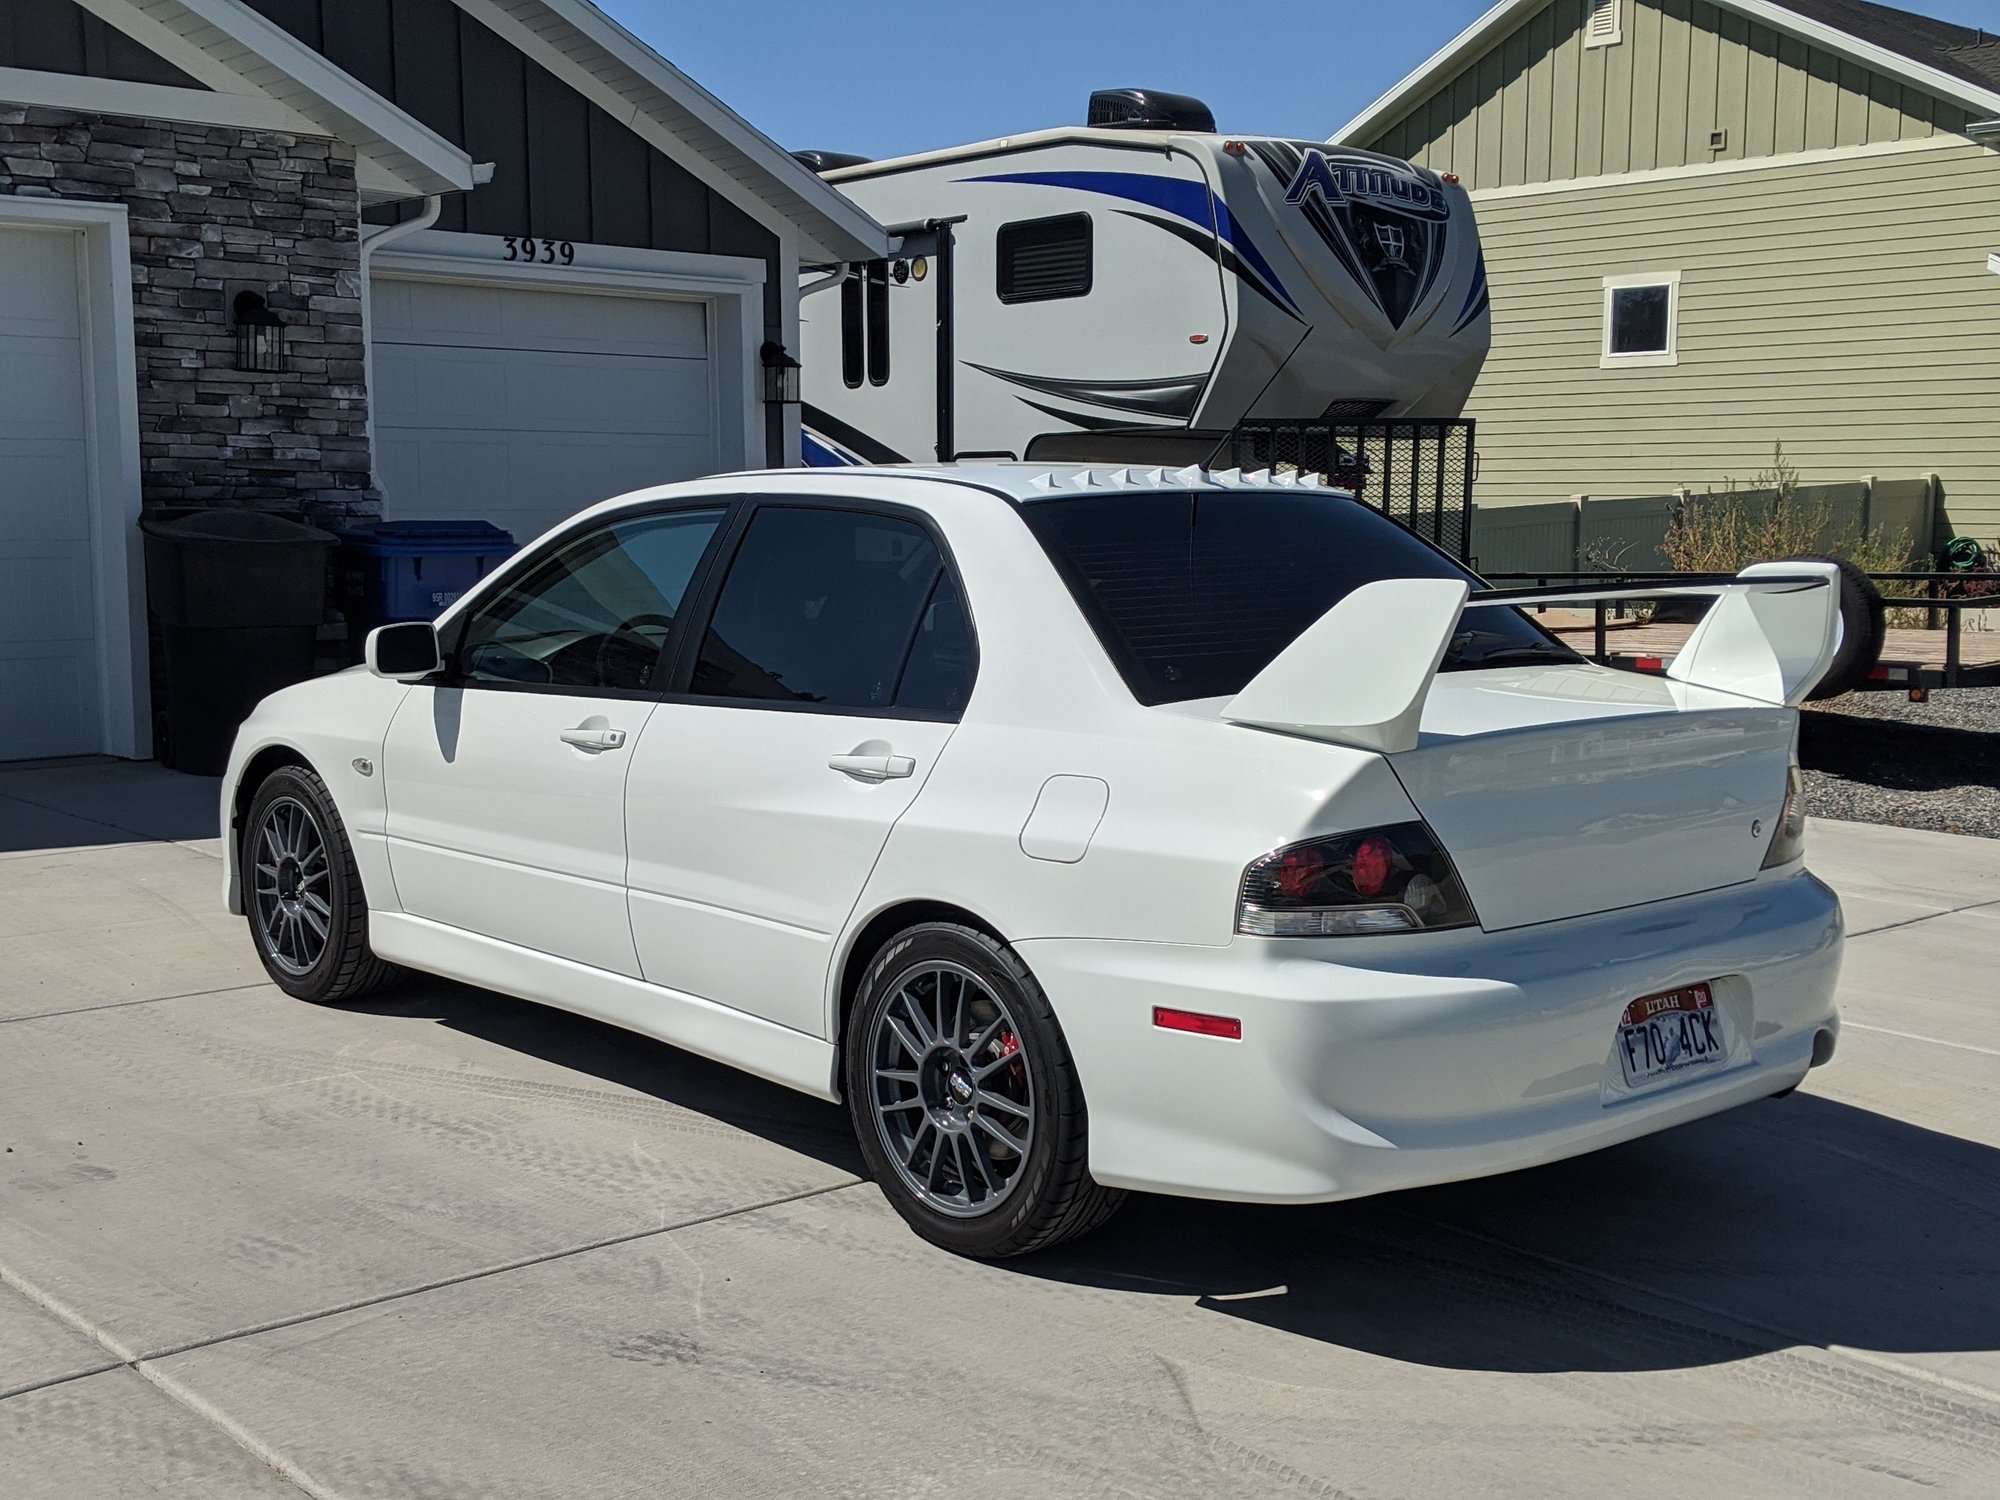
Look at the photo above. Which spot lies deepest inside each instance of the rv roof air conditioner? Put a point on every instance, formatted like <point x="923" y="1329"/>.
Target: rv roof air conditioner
<point x="830" y="161"/>
<point x="1149" y="109"/>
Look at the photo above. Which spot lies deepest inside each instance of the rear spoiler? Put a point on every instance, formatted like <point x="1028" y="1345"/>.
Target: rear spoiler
<point x="1360" y="673"/>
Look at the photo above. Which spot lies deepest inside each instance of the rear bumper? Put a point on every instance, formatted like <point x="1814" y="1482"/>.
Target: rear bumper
<point x="1369" y="1064"/>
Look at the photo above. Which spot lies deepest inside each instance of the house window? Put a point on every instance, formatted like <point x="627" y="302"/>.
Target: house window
<point x="1641" y="319"/>
<point x="1603" y="28"/>
<point x="1042" y="259"/>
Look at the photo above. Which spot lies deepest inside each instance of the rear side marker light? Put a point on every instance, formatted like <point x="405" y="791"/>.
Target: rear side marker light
<point x="1226" y="1027"/>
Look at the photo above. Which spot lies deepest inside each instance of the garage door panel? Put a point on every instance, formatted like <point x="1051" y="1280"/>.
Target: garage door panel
<point x="39" y="282"/>
<point x="40" y="382"/>
<point x="43" y="492"/>
<point x="532" y="391"/>
<point x="59" y="680"/>
<point x="48" y="647"/>
<point x="47" y="586"/>
<point x="454" y="314"/>
<point x="480" y="415"/>
<point x="525" y="483"/>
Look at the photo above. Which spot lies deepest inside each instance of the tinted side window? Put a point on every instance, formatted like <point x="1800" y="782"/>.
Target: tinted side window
<point x="1042" y="259"/>
<point x="938" y="678"/>
<point x="598" y="613"/>
<point x="833" y="607"/>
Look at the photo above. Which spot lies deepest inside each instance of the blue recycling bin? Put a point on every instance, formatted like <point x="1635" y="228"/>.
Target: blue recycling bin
<point x="412" y="570"/>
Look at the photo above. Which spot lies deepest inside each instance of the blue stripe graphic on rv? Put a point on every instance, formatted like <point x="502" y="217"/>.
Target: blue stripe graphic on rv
<point x="1185" y="200"/>
<point x="817" y="454"/>
<point x="1475" y="298"/>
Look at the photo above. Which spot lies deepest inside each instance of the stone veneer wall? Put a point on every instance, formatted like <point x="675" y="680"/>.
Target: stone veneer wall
<point x="214" y="210"/>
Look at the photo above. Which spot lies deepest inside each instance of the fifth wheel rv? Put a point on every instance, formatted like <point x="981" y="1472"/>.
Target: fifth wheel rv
<point x="1143" y="277"/>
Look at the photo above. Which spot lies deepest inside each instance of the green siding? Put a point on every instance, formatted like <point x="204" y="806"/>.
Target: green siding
<point x="1842" y="308"/>
<point x="1539" y="106"/>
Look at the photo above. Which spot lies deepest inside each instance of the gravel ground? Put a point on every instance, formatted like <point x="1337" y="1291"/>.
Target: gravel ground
<point x="1879" y="758"/>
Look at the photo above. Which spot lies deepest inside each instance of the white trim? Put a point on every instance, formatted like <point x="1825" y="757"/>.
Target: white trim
<point x="228" y="46"/>
<point x="733" y="287"/>
<point x="111" y="443"/>
<point x="1993" y="264"/>
<point x="791" y="455"/>
<point x="149" y="101"/>
<point x="632" y="83"/>
<point x="1463" y="47"/>
<point x="1720" y="168"/>
<point x="1652" y="358"/>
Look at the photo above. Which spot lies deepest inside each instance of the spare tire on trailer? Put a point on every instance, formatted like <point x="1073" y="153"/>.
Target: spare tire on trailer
<point x="1861" y="629"/>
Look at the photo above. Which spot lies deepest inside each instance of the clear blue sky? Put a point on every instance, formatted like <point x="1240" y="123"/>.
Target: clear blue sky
<point x="883" y="79"/>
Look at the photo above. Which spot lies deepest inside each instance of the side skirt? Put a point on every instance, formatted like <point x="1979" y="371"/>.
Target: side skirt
<point x="805" y="1063"/>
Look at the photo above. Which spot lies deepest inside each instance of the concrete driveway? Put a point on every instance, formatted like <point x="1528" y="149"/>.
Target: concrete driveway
<point x="450" y="1245"/>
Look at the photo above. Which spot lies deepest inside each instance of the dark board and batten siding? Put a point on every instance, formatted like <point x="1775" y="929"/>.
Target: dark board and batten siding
<point x="563" y="169"/>
<point x="58" y="36"/>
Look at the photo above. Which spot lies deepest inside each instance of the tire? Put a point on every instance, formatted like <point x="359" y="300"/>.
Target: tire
<point x="992" y="1067"/>
<point x="291" y="816"/>
<point x="1861" y="630"/>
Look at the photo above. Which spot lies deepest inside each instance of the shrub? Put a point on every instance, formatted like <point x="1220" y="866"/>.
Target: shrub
<point x="1725" y="533"/>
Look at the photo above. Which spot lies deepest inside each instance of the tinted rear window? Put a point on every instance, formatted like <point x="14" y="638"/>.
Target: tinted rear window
<point x="1194" y="594"/>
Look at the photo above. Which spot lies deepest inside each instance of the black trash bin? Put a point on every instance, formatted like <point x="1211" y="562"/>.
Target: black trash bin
<point x="239" y="596"/>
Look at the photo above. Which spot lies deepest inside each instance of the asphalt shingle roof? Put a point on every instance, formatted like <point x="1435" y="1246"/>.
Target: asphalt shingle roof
<point x="1962" y="51"/>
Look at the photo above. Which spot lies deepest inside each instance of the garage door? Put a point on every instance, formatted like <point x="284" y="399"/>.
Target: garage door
<point x="522" y="406"/>
<point x="48" y="646"/>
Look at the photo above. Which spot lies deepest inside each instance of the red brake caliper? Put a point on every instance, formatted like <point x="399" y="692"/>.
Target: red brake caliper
<point x="1010" y="1046"/>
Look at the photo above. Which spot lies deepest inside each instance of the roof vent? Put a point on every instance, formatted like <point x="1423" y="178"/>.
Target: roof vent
<point x="1149" y="109"/>
<point x="830" y="161"/>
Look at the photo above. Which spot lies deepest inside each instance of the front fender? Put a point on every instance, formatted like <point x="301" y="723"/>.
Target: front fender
<point x="335" y="725"/>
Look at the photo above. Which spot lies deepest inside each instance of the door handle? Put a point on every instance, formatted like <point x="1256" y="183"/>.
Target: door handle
<point x="594" y="740"/>
<point x="874" y="767"/>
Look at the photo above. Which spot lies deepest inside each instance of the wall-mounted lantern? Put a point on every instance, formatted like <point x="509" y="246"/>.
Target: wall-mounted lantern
<point x="781" y="375"/>
<point x="260" y="334"/>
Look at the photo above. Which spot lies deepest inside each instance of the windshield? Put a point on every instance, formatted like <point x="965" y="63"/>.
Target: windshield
<point x="1193" y="593"/>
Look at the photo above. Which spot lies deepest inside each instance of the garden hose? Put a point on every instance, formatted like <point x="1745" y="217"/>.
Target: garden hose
<point x="1963" y="555"/>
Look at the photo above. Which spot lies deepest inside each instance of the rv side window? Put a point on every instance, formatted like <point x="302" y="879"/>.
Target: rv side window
<point x="850" y="327"/>
<point x="878" y="322"/>
<point x="1042" y="259"/>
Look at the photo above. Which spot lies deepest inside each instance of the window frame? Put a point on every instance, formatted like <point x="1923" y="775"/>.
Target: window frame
<point x="715" y="573"/>
<point x="452" y="633"/>
<point x="1641" y="359"/>
<point x="1089" y="259"/>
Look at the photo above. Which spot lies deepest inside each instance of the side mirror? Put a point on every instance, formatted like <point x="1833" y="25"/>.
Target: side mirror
<point x="403" y="652"/>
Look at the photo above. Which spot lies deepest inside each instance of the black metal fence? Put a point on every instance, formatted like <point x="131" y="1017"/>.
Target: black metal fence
<point x="1415" y="470"/>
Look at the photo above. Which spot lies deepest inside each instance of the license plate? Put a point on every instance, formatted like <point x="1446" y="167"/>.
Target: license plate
<point x="1664" y="1034"/>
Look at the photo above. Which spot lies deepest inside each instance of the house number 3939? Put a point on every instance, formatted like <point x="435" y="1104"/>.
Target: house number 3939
<point x="531" y="251"/>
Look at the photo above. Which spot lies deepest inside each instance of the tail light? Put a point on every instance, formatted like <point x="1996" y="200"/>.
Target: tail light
<point x="1788" y="839"/>
<point x="1393" y="879"/>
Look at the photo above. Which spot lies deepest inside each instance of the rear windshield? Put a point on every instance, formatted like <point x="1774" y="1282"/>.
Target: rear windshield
<point x="1195" y="593"/>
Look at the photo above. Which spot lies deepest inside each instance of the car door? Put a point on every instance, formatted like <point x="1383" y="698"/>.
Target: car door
<point x="505" y="778"/>
<point x="835" y="656"/>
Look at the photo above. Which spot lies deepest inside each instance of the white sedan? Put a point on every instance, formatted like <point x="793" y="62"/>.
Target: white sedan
<point x="1083" y="830"/>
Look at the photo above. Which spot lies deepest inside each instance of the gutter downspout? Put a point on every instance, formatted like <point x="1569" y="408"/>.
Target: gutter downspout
<point x="370" y="243"/>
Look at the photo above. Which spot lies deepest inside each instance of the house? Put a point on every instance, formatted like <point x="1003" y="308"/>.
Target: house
<point x="1712" y="228"/>
<point x="486" y="259"/>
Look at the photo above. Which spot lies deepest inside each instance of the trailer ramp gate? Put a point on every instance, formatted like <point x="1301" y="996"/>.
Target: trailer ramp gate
<point x="1417" y="471"/>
